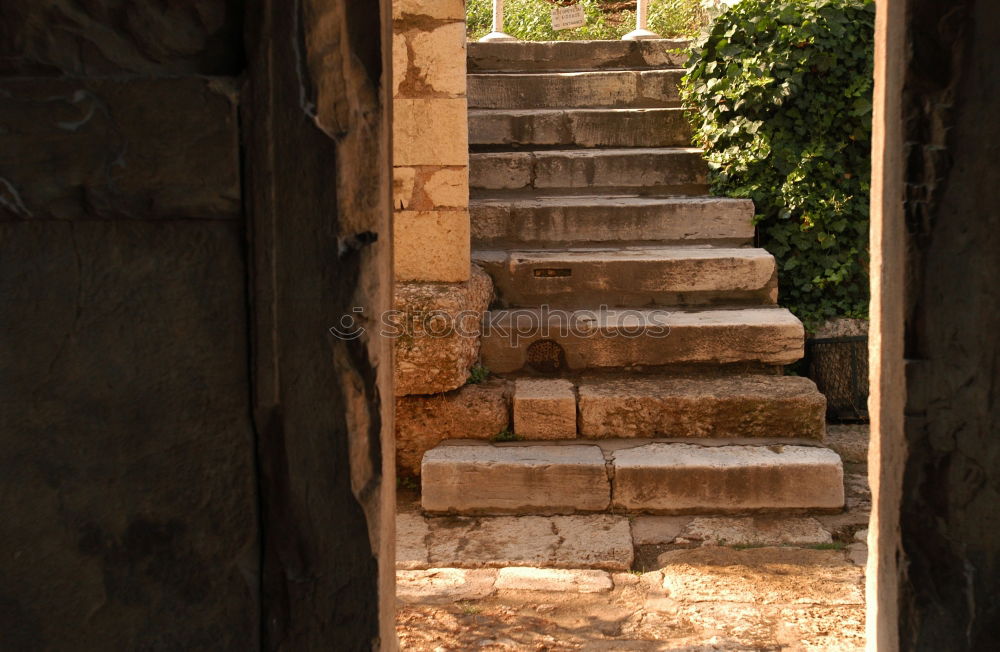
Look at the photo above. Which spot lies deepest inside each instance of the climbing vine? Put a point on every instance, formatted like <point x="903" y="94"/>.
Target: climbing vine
<point x="779" y="96"/>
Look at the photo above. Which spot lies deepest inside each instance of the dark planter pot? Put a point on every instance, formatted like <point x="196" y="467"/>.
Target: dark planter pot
<point x="839" y="367"/>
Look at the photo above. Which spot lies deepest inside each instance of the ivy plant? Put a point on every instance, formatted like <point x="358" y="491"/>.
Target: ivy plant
<point x="779" y="96"/>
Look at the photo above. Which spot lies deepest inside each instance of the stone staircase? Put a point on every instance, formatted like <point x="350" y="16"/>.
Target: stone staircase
<point x="638" y="323"/>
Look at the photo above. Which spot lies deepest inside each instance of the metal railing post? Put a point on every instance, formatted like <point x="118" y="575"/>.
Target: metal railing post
<point x="498" y="34"/>
<point x="641" y="30"/>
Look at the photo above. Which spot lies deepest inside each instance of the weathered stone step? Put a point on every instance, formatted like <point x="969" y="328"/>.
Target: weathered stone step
<point x="631" y="276"/>
<point x="538" y="56"/>
<point x="567" y="221"/>
<point x="514" y="480"/>
<point x="622" y="338"/>
<point x="580" y="127"/>
<point x="686" y="478"/>
<point x="677" y="170"/>
<point x="701" y="407"/>
<point x="657" y="477"/>
<point x="559" y="90"/>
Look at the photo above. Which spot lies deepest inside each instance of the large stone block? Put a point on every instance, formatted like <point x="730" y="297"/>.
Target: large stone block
<point x="126" y="148"/>
<point x="519" y="479"/>
<point x="440" y="9"/>
<point x="622" y="338"/>
<point x="436" y="329"/>
<point x="664" y="127"/>
<point x="674" y="169"/>
<point x="684" y="478"/>
<point x="438" y="63"/>
<point x="544" y="408"/>
<point x="432" y="245"/>
<point x="430" y="131"/>
<point x="725" y="406"/>
<point x="581" y="220"/>
<point x="130" y="496"/>
<point x="470" y="412"/>
<point x="637" y="276"/>
<point x="426" y="188"/>
<point x="115" y="37"/>
<point x="538" y="56"/>
<point x="446" y="187"/>
<point x="558" y="90"/>
<point x="577" y="541"/>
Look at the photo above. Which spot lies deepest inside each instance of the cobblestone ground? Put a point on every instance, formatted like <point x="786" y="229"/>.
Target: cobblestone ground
<point x="734" y="583"/>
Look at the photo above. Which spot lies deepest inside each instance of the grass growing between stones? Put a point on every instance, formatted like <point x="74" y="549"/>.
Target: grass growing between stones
<point x="506" y="435"/>
<point x="478" y="374"/>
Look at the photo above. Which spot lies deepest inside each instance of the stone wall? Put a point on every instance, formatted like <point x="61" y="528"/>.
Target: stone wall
<point x="430" y="141"/>
<point x="190" y="459"/>
<point x="950" y="509"/>
<point x="933" y="582"/>
<point x="130" y="502"/>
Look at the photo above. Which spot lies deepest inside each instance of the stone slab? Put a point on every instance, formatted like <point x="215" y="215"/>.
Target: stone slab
<point x="437" y="57"/>
<point x="544" y="408"/>
<point x="553" y="579"/>
<point x="761" y="576"/>
<point x="566" y="221"/>
<point x="576" y="541"/>
<point x="131" y="505"/>
<point x="701" y="407"/>
<point x="638" y="276"/>
<point x="622" y="338"/>
<point x="678" y="168"/>
<point x="477" y="411"/>
<point x="685" y="478"/>
<point x="411" y="541"/>
<point x="125" y="149"/>
<point x="619" y="88"/>
<point x="538" y="56"/>
<point x="408" y="10"/>
<point x="419" y="141"/>
<point x="431" y="245"/>
<point x="755" y="530"/>
<point x="468" y="479"/>
<point x="636" y="127"/>
<point x="443" y="585"/>
<point x="113" y="38"/>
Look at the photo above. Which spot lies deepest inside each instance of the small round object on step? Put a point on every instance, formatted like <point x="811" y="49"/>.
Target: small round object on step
<point x="546" y="356"/>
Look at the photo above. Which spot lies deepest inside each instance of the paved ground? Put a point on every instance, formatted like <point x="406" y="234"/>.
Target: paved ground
<point x="642" y="583"/>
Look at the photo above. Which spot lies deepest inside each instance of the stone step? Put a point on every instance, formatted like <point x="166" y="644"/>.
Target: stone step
<point x="555" y="340"/>
<point x="665" y="170"/>
<point x="565" y="221"/>
<point x="685" y="478"/>
<point x="631" y="276"/>
<point x="514" y="480"/>
<point x="579" y="127"/>
<point x="700" y="407"/>
<point x="541" y="56"/>
<point x="559" y="90"/>
<point x="655" y="477"/>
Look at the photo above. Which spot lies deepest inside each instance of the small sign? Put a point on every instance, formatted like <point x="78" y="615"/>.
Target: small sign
<point x="568" y="17"/>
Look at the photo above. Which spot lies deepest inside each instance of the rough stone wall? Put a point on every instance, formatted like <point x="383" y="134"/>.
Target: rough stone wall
<point x="191" y="459"/>
<point x="950" y="512"/>
<point x="430" y="141"/>
<point x="129" y="500"/>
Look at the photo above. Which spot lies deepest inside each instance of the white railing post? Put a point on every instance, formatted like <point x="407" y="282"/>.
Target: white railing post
<point x="498" y="34"/>
<point x="641" y="30"/>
